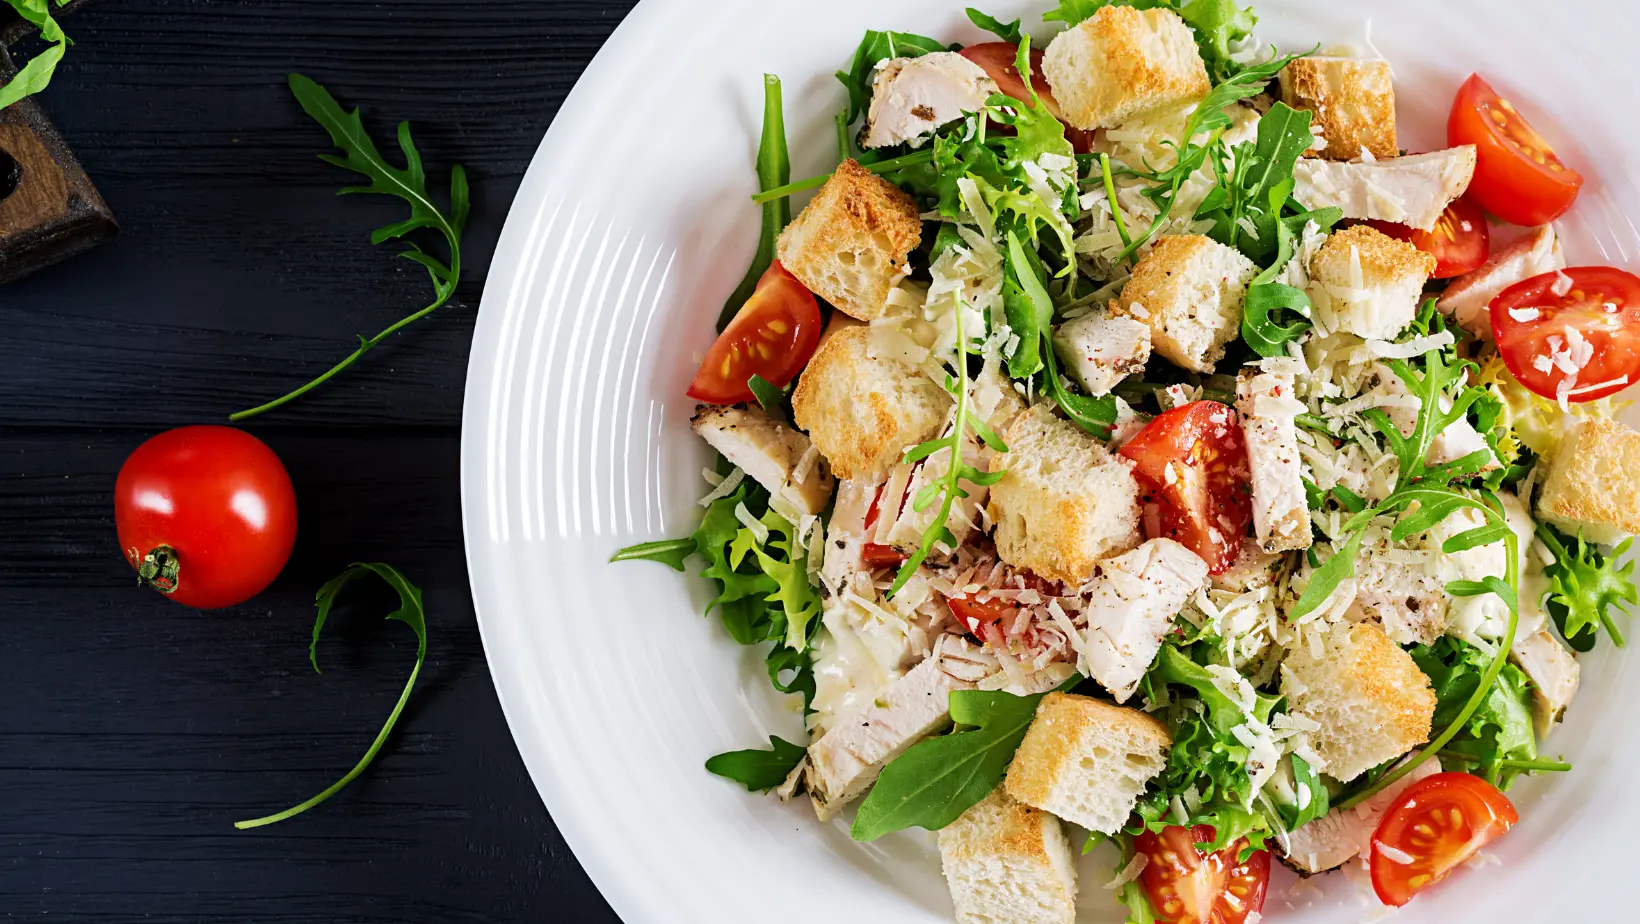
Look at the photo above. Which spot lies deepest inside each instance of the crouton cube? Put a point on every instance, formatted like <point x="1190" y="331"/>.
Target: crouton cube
<point x="1132" y="600"/>
<point x="1353" y="101"/>
<point x="863" y="412"/>
<point x="1065" y="501"/>
<point x="1591" y="487"/>
<point x="1412" y="190"/>
<point x="772" y="453"/>
<point x="1372" y="702"/>
<point x="849" y="245"/>
<point x="1008" y="863"/>
<point x="1281" y="514"/>
<point x="1122" y="62"/>
<point x="1100" y="351"/>
<point x="1189" y="290"/>
<point x="1368" y="283"/>
<point x="1087" y="761"/>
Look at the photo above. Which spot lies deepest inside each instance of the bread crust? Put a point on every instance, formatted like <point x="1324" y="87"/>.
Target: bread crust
<point x="1123" y="62"/>
<point x="1353" y="102"/>
<point x="1592" y="481"/>
<point x="849" y="245"/>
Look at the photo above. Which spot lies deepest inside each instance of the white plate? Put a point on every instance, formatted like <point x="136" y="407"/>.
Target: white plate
<point x="632" y="226"/>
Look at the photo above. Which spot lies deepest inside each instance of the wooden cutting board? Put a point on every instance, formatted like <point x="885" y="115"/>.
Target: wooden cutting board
<point x="49" y="209"/>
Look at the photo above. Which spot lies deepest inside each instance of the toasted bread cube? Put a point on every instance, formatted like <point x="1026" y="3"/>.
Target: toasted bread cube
<point x="1412" y="190"/>
<point x="1281" y="514"/>
<point x="1372" y="702"/>
<point x="1099" y="351"/>
<point x="1132" y="600"/>
<point x="1087" y="761"/>
<point x="864" y="412"/>
<point x="1468" y="298"/>
<point x="1554" y="673"/>
<point x="1064" y="503"/>
<point x="1008" y="863"/>
<point x="911" y="97"/>
<point x="849" y="245"/>
<point x="1189" y="290"/>
<point x="1368" y="283"/>
<point x="773" y="454"/>
<point x="1353" y="101"/>
<point x="1591" y="487"/>
<point x="1122" y="62"/>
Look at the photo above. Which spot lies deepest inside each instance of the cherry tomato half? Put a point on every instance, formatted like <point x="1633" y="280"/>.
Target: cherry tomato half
<point x="1460" y="242"/>
<point x="1187" y="886"/>
<point x="206" y="515"/>
<point x="1517" y="175"/>
<point x="773" y="335"/>
<point x="1585" y="318"/>
<point x="997" y="59"/>
<point x="1191" y="464"/>
<point x="1438" y="823"/>
<point x="872" y="554"/>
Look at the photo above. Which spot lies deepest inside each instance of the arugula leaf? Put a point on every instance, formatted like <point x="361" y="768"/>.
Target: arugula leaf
<point x="936" y="780"/>
<point x="759" y="771"/>
<point x="1071" y="12"/>
<point x="774" y="169"/>
<point x="669" y="552"/>
<point x="1218" y="24"/>
<point x="408" y="183"/>
<point x="1261" y="183"/>
<point x="410" y="613"/>
<point x="1306" y="780"/>
<point x="1501" y="729"/>
<point x="1028" y="307"/>
<point x="36" y="74"/>
<point x="874" y="49"/>
<point x="1586" y="588"/>
<point x="771" y="399"/>
<point x="1008" y="32"/>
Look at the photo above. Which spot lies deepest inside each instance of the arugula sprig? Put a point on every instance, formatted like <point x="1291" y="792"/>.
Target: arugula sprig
<point x="36" y="74"/>
<point x="1008" y="32"/>
<point x="774" y="169"/>
<point x="758" y="770"/>
<point x="410" y="613"/>
<point x="409" y="183"/>
<point x="1498" y="739"/>
<point x="1425" y="496"/>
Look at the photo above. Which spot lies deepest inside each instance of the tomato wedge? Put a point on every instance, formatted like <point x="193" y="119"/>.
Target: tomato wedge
<point x="872" y="554"/>
<point x="976" y="615"/>
<point x="1438" y="823"/>
<point x="1517" y="175"/>
<point x="1191" y="464"/>
<point x="773" y="335"/>
<point x="998" y="59"/>
<point x="1460" y="243"/>
<point x="1187" y="886"/>
<point x="1577" y="330"/>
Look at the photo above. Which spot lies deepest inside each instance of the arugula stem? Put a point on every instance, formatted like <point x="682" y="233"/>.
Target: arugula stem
<point x="1530" y="766"/>
<point x="814" y="182"/>
<point x="353" y="774"/>
<point x="365" y="346"/>
<point x="1312" y="422"/>
<point x="1110" y="201"/>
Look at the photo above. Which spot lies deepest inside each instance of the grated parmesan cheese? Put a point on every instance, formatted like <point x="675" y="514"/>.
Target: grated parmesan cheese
<point x="725" y="487"/>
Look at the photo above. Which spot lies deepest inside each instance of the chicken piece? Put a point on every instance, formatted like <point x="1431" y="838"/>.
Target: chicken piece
<point x="774" y="455"/>
<point x="1253" y="568"/>
<point x="846" y="533"/>
<point x="1468" y="298"/>
<point x="1554" y="673"/>
<point x="1100" y="351"/>
<point x="1341" y="835"/>
<point x="1281" y="514"/>
<point x="911" y="97"/>
<point x="1134" y="598"/>
<point x="1412" y="190"/>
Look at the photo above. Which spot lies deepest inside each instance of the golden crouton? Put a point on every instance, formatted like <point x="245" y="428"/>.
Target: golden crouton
<point x="1592" y="485"/>
<point x="1121" y="63"/>
<point x="1369" y="697"/>
<point x="1387" y="291"/>
<point x="1353" y="102"/>
<point x="849" y="246"/>
<point x="1189" y="290"/>
<point x="1008" y="863"/>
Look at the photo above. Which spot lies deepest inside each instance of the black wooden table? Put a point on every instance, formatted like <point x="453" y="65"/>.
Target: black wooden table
<point x="134" y="732"/>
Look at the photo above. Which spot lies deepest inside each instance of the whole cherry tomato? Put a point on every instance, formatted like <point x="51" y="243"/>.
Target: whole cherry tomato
<point x="206" y="515"/>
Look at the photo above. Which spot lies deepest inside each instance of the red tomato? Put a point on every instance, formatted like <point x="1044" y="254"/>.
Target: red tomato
<point x="773" y="335"/>
<point x="1191" y="463"/>
<point x="1530" y="323"/>
<point x="1438" y="823"/>
<point x="880" y="556"/>
<point x="1187" y="886"/>
<point x="1517" y="177"/>
<point x="975" y="615"/>
<point x="206" y="515"/>
<point x="1460" y="243"/>
<point x="998" y="58"/>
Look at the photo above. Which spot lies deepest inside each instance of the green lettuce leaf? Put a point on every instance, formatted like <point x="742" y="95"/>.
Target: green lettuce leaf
<point x="757" y="770"/>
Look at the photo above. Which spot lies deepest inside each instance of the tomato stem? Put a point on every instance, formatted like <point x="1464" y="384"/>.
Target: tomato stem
<point x="159" y="569"/>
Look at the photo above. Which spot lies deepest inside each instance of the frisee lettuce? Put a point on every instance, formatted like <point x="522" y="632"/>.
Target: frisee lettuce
<point x="1587" y="588"/>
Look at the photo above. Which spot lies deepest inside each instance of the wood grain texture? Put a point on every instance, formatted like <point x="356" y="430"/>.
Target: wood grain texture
<point x="135" y="732"/>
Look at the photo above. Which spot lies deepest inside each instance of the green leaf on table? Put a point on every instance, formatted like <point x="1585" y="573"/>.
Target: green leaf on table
<point x="936" y="780"/>
<point x="669" y="552"/>
<point x="774" y="169"/>
<point x="410" y="613"/>
<point x="759" y="771"/>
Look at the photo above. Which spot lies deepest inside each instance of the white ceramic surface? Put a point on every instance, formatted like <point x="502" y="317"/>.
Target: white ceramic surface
<point x="630" y="229"/>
